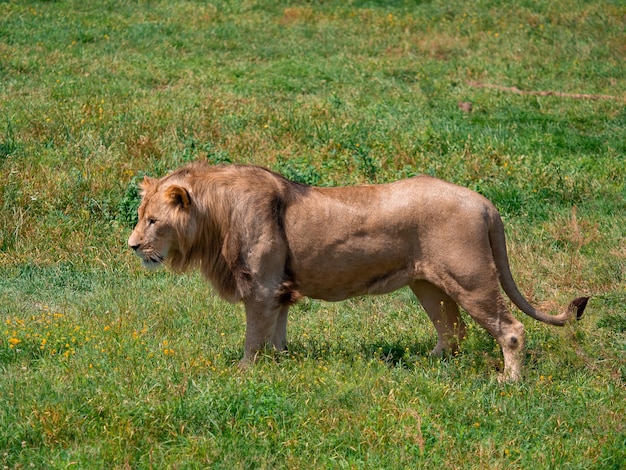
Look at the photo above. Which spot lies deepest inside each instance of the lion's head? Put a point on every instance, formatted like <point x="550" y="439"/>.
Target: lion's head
<point x="164" y="223"/>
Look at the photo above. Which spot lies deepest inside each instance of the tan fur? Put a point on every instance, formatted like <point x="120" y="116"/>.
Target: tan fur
<point x="266" y="241"/>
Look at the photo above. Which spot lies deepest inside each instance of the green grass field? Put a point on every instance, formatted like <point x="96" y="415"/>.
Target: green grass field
<point x="105" y="365"/>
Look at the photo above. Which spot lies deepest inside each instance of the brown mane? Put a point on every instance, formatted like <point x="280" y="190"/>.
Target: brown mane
<point x="224" y="205"/>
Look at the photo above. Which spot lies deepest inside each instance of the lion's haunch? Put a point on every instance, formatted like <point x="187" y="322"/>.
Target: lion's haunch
<point x="267" y="241"/>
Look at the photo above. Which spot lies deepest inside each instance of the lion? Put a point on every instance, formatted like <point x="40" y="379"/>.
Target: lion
<point x="266" y="241"/>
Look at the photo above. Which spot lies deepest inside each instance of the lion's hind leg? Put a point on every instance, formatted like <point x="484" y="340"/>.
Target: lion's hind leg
<point x="491" y="312"/>
<point x="444" y="313"/>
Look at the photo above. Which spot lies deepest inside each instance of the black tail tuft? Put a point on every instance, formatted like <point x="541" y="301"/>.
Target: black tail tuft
<point x="579" y="304"/>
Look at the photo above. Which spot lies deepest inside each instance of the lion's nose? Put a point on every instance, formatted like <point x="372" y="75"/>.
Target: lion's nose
<point x="134" y="247"/>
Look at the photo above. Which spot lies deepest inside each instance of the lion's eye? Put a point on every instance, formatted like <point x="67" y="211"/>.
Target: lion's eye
<point x="151" y="221"/>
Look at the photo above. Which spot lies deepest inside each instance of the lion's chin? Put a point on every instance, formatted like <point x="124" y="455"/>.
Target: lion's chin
<point x="151" y="264"/>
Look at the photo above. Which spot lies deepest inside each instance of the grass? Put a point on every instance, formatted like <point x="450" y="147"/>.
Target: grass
<point x="103" y="365"/>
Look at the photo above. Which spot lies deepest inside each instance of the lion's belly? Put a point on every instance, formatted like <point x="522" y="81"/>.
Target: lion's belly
<point x="346" y="268"/>
<point x="332" y="288"/>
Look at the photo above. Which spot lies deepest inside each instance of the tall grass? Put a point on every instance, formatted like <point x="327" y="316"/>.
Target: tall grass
<point x="103" y="365"/>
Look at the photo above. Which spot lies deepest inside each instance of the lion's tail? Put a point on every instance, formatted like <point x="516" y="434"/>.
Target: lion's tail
<point x="498" y="247"/>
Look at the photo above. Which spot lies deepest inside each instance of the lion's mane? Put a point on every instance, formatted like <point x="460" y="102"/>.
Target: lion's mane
<point x="225" y="209"/>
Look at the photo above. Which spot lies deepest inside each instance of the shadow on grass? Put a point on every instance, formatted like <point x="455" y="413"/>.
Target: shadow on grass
<point x="392" y="353"/>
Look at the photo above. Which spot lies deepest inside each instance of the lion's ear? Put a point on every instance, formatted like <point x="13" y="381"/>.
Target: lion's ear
<point x="178" y="196"/>
<point x="146" y="183"/>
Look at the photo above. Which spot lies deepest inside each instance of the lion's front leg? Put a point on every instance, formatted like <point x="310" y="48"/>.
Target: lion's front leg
<point x="279" y="338"/>
<point x="265" y="324"/>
